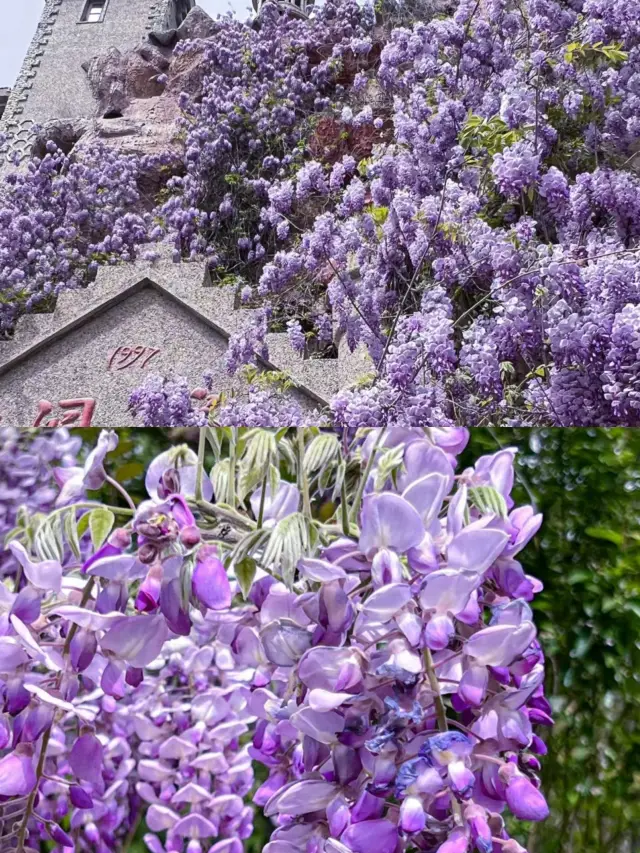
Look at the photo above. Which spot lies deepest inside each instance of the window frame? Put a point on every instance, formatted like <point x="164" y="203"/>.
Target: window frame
<point x="88" y="6"/>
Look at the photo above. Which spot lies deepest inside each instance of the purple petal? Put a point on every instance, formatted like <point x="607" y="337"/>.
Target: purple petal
<point x="426" y="496"/>
<point x="525" y="800"/>
<point x="285" y="502"/>
<point x="388" y="521"/>
<point x="369" y="835"/>
<point x="457" y="842"/>
<point x="44" y="575"/>
<point x="310" y="795"/>
<point x="499" y="645"/>
<point x="476" y="549"/>
<point x="136" y="639"/>
<point x="17" y="776"/>
<point x="323" y="727"/>
<point x="209" y="581"/>
<point x="85" y="758"/>
<point x="94" y="473"/>
<point x="448" y="590"/>
<point x="412" y="816"/>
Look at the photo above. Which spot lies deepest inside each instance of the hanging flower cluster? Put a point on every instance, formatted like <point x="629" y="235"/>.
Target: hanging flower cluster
<point x="351" y="614"/>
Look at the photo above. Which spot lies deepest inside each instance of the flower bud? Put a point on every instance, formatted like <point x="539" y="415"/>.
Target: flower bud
<point x="412" y="816"/>
<point x="525" y="800"/>
<point x="80" y="798"/>
<point x="190" y="536"/>
<point x="120" y="538"/>
<point x="209" y="582"/>
<point x="60" y="836"/>
<point x="82" y="649"/>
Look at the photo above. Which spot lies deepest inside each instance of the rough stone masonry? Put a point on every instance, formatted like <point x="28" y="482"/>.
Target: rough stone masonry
<point x="82" y="81"/>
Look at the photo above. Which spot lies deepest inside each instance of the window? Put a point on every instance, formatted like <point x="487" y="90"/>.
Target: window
<point x="94" y="11"/>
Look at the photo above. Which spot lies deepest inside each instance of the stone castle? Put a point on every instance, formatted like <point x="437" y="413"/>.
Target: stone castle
<point x="91" y="73"/>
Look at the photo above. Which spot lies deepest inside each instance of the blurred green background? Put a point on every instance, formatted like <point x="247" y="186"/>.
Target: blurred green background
<point x="587" y="484"/>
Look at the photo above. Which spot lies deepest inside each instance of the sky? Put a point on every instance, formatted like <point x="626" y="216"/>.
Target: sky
<point x="21" y="18"/>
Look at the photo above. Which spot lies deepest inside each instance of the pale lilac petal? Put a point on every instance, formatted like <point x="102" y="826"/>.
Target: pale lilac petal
<point x="309" y="795"/>
<point x="497" y="470"/>
<point x="320" y="571"/>
<point x="499" y="645"/>
<point x="159" y="818"/>
<point x="323" y="727"/>
<point x="525" y="800"/>
<point x="136" y="639"/>
<point x="473" y="685"/>
<point x="475" y="549"/>
<point x="116" y="568"/>
<point x="456" y="511"/>
<point x="284" y="642"/>
<point x="369" y="835"/>
<point x="448" y="590"/>
<point x="93" y="469"/>
<point x="426" y="496"/>
<point x="285" y="502"/>
<point x="439" y="631"/>
<point x="384" y="603"/>
<point x="57" y="702"/>
<point x="412" y="816"/>
<point x="17" y="775"/>
<point x="326" y="700"/>
<point x="388" y="521"/>
<point x="194" y="825"/>
<point x="185" y="461"/>
<point x="45" y="575"/>
<point x="386" y="568"/>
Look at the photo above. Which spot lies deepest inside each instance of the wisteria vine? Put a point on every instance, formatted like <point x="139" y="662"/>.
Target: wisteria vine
<point x="451" y="186"/>
<point x="346" y="611"/>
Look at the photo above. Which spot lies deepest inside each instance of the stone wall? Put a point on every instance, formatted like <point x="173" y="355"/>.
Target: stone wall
<point x="79" y="364"/>
<point x="52" y="83"/>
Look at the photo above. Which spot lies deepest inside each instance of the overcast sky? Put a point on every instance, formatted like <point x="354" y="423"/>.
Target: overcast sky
<point x="20" y="20"/>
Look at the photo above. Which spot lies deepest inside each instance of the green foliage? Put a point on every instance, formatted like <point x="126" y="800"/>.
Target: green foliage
<point x="587" y="484"/>
<point x="592" y="55"/>
<point x="491" y="134"/>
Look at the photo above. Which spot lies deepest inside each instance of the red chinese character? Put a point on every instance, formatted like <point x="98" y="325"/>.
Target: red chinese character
<point x="78" y="412"/>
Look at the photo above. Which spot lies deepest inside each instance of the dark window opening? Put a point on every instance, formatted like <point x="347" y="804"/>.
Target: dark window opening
<point x="183" y="7"/>
<point x="94" y="11"/>
<point x="113" y="114"/>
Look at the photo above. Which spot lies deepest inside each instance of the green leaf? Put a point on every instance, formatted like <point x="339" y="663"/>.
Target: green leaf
<point x="290" y="539"/>
<point x="321" y="452"/>
<point x="83" y="524"/>
<point x="388" y="464"/>
<point x="605" y="533"/>
<point x="220" y="477"/>
<point x="71" y="532"/>
<point x="48" y="542"/>
<point x="100" y="524"/>
<point x="487" y="499"/>
<point x="245" y="572"/>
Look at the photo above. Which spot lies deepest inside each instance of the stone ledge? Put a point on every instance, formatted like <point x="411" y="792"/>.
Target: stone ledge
<point x="187" y="284"/>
